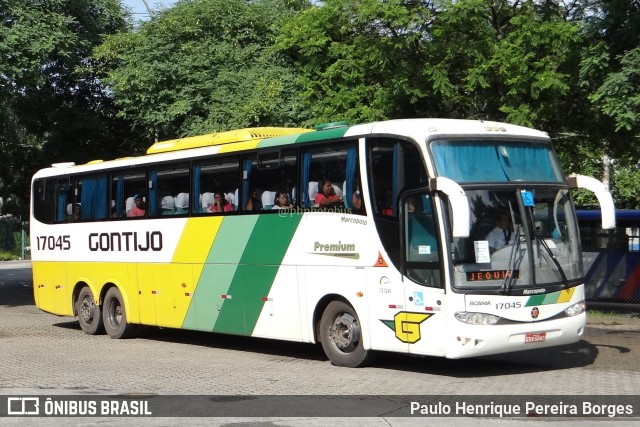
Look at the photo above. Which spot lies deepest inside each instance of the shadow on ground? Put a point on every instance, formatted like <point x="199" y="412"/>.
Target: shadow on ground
<point x="580" y="354"/>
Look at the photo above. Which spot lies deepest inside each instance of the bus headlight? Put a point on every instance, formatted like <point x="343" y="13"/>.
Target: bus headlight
<point x="476" y="318"/>
<point x="575" y="309"/>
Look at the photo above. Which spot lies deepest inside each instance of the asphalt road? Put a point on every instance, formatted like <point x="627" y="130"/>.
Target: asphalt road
<point x="42" y="354"/>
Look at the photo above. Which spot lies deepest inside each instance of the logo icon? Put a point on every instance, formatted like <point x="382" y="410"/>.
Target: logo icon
<point x="23" y="406"/>
<point x="407" y="325"/>
<point x="535" y="312"/>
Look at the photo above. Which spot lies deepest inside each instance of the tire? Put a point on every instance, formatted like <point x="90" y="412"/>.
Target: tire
<point x="341" y="336"/>
<point x="89" y="314"/>
<point x="114" y="315"/>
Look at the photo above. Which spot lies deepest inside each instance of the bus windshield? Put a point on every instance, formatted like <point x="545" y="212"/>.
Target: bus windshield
<point x="520" y="237"/>
<point x="497" y="160"/>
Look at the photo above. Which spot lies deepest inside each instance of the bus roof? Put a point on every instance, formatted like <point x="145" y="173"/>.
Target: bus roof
<point x="595" y="215"/>
<point x="219" y="138"/>
<point x="264" y="137"/>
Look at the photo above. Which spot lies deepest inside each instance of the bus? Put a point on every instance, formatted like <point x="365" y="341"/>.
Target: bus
<point x="611" y="258"/>
<point x="397" y="258"/>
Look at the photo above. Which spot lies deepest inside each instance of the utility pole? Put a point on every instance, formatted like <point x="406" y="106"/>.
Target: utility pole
<point x="606" y="162"/>
<point x="148" y="8"/>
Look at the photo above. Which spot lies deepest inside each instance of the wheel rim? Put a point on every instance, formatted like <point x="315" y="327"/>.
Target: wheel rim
<point x="345" y="332"/>
<point x="86" y="309"/>
<point x="115" y="313"/>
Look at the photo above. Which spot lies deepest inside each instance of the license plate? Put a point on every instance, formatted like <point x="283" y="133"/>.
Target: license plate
<point x="535" y="337"/>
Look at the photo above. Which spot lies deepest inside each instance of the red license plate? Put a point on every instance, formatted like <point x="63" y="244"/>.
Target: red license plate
<point x="535" y="337"/>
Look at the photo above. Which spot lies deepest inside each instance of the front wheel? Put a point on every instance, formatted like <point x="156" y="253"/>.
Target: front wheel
<point x="89" y="314"/>
<point x="341" y="336"/>
<point x="115" y="318"/>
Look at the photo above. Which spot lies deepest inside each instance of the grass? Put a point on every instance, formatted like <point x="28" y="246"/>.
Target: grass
<point x="7" y="256"/>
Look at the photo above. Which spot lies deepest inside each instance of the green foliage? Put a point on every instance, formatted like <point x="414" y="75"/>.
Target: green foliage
<point x="626" y="183"/>
<point x="7" y="256"/>
<point x="359" y="60"/>
<point x="502" y="60"/>
<point x="619" y="95"/>
<point x="367" y="60"/>
<point x="53" y="108"/>
<point x="202" y="66"/>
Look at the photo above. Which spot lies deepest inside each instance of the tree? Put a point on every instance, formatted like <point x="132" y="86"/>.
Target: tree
<point x="53" y="108"/>
<point x="506" y="60"/>
<point x="361" y="60"/>
<point x="203" y="66"/>
<point x="499" y="59"/>
<point x="606" y="110"/>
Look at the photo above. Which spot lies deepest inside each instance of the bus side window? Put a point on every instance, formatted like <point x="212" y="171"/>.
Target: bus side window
<point x="64" y="196"/>
<point x="266" y="173"/>
<point x="164" y="183"/>
<point x="421" y="244"/>
<point x="124" y="187"/>
<point x="91" y="198"/>
<point x="220" y="175"/>
<point x="44" y="196"/>
<point x="336" y="165"/>
<point x="394" y="165"/>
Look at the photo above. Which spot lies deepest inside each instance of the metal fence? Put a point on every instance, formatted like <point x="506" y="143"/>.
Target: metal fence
<point x="612" y="266"/>
<point x="14" y="238"/>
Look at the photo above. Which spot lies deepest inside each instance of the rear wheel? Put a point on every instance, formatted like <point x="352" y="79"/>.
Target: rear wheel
<point x="89" y="314"/>
<point x="341" y="335"/>
<point x="114" y="315"/>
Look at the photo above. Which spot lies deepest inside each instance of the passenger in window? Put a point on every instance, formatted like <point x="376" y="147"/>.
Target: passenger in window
<point x="282" y="201"/>
<point x="76" y="211"/>
<point x="138" y="209"/>
<point x="357" y="204"/>
<point x="326" y="196"/>
<point x="502" y="234"/>
<point x="254" y="203"/>
<point x="220" y="204"/>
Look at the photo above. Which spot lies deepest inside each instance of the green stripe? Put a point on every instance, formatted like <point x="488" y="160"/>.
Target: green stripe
<point x="278" y="140"/>
<point x="258" y="267"/>
<point x="304" y="137"/>
<point x="535" y="300"/>
<point x="543" y="299"/>
<point x="218" y="273"/>
<point x="323" y="134"/>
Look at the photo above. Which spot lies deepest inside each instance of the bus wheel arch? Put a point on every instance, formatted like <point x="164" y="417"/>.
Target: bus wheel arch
<point x="340" y="333"/>
<point x="89" y="313"/>
<point x="114" y="314"/>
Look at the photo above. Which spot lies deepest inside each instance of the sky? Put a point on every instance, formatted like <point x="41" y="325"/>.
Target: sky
<point x="140" y="10"/>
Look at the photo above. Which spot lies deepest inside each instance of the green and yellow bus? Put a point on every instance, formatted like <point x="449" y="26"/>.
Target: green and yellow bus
<point x="376" y="236"/>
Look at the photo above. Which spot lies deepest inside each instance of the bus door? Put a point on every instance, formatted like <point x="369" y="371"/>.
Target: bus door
<point x="405" y="295"/>
<point x="424" y="321"/>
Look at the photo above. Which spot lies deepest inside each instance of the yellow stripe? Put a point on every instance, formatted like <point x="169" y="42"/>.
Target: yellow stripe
<point x="196" y="240"/>
<point x="565" y="296"/>
<point x="239" y="146"/>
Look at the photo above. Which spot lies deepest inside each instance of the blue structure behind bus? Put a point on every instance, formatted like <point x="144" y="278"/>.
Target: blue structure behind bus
<point x="611" y="257"/>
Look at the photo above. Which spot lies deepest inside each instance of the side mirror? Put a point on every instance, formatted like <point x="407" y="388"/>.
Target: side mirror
<point x="607" y="208"/>
<point x="459" y="204"/>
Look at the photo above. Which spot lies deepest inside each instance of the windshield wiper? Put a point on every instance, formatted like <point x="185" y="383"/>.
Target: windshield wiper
<point x="540" y="241"/>
<point x="510" y="277"/>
